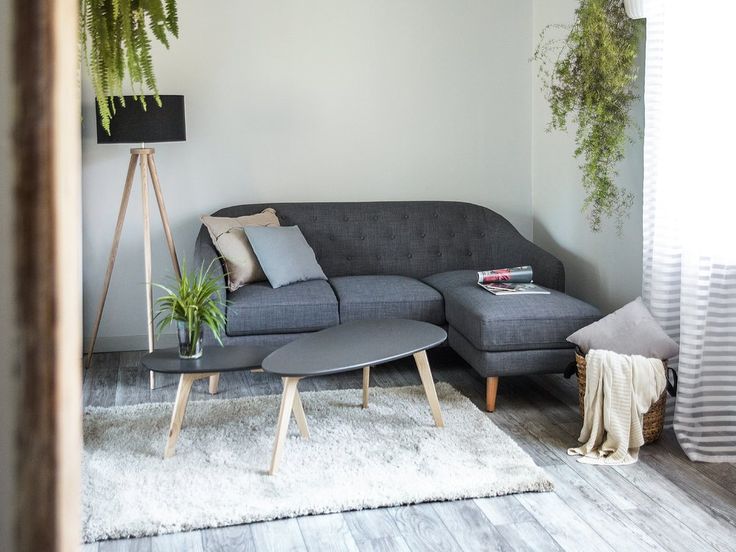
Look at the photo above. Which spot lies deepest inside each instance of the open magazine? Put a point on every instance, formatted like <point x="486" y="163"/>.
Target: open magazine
<point x="510" y="281"/>
<point x="514" y="289"/>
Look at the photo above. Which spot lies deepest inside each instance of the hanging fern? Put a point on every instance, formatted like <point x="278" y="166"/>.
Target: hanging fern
<point x="115" y="40"/>
<point x="589" y="79"/>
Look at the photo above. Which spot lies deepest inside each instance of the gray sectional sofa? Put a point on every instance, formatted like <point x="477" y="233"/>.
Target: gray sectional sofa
<point x="414" y="260"/>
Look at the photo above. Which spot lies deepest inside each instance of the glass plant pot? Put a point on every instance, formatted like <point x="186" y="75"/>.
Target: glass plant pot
<point x="190" y="343"/>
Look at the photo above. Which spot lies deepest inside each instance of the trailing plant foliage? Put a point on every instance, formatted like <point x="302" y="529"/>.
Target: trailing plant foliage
<point x="115" y="40"/>
<point x="196" y="300"/>
<point x="589" y="79"/>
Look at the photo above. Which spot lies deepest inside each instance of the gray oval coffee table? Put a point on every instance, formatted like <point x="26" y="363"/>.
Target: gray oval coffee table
<point x="214" y="360"/>
<point x="351" y="346"/>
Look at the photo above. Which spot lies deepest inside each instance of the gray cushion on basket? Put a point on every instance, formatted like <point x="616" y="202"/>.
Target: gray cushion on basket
<point x="631" y="330"/>
<point x="375" y="297"/>
<point x="284" y="254"/>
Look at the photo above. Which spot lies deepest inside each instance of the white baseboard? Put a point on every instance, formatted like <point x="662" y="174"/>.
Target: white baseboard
<point x="114" y="343"/>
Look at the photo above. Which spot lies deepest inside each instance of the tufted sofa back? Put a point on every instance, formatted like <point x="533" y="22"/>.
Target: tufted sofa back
<point x="409" y="238"/>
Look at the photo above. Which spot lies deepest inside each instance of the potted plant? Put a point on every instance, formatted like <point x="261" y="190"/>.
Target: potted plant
<point x="589" y="79"/>
<point x="194" y="303"/>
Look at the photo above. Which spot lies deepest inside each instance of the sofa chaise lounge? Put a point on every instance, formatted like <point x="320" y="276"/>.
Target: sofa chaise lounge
<point x="415" y="260"/>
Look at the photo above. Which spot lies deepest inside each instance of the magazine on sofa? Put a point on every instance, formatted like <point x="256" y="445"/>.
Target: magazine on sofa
<point x="518" y="274"/>
<point x="503" y="288"/>
<point x="510" y="281"/>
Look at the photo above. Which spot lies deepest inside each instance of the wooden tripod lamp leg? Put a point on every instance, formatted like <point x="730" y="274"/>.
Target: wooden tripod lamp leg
<point x="164" y="215"/>
<point x="113" y="254"/>
<point x="147" y="255"/>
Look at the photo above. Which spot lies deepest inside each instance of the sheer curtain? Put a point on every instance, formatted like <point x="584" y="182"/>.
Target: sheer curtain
<point x="690" y="211"/>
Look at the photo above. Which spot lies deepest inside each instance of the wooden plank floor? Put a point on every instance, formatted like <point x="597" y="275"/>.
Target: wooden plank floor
<point x="665" y="502"/>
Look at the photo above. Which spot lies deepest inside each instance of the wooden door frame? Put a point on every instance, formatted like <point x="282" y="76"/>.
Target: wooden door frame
<point x="47" y="244"/>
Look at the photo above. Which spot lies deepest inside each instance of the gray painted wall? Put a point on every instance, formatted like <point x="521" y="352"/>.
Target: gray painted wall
<point x="324" y="100"/>
<point x="7" y="326"/>
<point x="604" y="269"/>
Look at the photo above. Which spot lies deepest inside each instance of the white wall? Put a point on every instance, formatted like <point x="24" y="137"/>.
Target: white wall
<point x="602" y="268"/>
<point x="7" y="327"/>
<point x="332" y="100"/>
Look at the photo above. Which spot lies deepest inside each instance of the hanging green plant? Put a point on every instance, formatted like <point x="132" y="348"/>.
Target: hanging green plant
<point x="115" y="40"/>
<point x="589" y="79"/>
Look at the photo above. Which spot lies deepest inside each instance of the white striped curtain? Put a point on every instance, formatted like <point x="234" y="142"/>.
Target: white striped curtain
<point x="690" y="211"/>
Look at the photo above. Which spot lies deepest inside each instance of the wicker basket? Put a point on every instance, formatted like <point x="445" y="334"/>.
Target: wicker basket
<point x="653" y="419"/>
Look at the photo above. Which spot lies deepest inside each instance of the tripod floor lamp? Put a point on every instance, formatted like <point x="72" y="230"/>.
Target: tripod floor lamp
<point x="134" y="125"/>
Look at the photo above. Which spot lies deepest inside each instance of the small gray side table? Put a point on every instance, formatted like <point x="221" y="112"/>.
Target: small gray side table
<point x="213" y="361"/>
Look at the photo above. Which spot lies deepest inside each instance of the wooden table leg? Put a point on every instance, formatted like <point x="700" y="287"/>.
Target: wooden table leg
<point x="299" y="416"/>
<point x="180" y="406"/>
<point x="164" y="216"/>
<point x="366" y="384"/>
<point x="214" y="383"/>
<point x="491" y="390"/>
<point x="301" y="419"/>
<point x="287" y="403"/>
<point x="426" y="376"/>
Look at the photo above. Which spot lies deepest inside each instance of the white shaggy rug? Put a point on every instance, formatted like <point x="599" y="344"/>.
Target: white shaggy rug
<point x="387" y="455"/>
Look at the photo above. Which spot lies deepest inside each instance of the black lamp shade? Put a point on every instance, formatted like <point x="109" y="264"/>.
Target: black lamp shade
<point x="132" y="125"/>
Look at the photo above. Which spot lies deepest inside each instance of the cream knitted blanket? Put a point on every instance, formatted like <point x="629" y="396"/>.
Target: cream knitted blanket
<point x="619" y="390"/>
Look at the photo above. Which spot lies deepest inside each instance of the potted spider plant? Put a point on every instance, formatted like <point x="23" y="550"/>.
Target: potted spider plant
<point x="193" y="303"/>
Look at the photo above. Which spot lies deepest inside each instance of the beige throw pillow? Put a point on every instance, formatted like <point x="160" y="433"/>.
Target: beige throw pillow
<point x="229" y="238"/>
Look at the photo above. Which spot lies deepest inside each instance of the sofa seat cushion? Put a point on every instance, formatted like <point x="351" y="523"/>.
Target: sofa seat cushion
<point x="374" y="297"/>
<point x="302" y="307"/>
<point x="509" y="323"/>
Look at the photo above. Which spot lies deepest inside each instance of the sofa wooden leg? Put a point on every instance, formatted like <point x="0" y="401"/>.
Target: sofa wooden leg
<point x="491" y="388"/>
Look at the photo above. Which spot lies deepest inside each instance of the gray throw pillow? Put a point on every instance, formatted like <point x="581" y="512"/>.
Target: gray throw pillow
<point x="631" y="330"/>
<point x="284" y="254"/>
